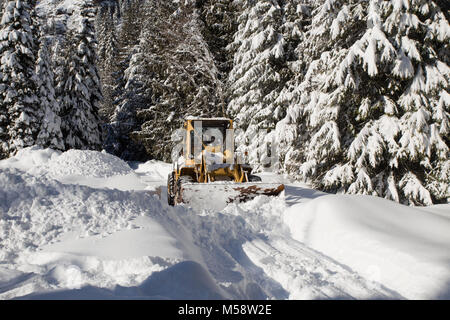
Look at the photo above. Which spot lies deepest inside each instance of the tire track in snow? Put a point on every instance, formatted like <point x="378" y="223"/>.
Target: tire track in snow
<point x="218" y="239"/>
<point x="306" y="274"/>
<point x="248" y="250"/>
<point x="303" y="272"/>
<point x="251" y="262"/>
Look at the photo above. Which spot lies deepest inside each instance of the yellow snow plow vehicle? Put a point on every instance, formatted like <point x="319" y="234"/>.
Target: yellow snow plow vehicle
<point x="208" y="169"/>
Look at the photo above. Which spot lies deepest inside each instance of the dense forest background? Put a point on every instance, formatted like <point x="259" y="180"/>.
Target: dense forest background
<point x="353" y="94"/>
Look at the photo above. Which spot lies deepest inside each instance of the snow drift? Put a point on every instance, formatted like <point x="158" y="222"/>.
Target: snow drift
<point x="68" y="231"/>
<point x="406" y="249"/>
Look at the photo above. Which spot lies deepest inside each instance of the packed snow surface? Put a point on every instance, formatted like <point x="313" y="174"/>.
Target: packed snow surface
<point x="86" y="225"/>
<point x="407" y="249"/>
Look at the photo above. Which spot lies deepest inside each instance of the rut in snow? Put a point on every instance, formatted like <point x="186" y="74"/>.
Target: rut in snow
<point x="84" y="225"/>
<point x="249" y="252"/>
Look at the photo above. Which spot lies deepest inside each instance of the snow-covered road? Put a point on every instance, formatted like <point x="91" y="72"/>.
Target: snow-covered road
<point x="87" y="225"/>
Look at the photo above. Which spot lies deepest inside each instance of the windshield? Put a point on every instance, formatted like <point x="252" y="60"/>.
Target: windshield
<point x="214" y="136"/>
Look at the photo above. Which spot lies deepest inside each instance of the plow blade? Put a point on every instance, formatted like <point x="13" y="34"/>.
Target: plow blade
<point x="221" y="193"/>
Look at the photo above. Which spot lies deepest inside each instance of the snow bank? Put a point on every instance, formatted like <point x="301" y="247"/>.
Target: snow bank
<point x="154" y="170"/>
<point x="56" y="235"/>
<point x="94" y="169"/>
<point x="186" y="280"/>
<point x="88" y="164"/>
<point x="83" y="163"/>
<point x="440" y="209"/>
<point x="30" y="159"/>
<point x="146" y="238"/>
<point x="35" y="210"/>
<point x="406" y="249"/>
<point x="183" y="281"/>
<point x="89" y="168"/>
<point x="66" y="234"/>
<point x="158" y="168"/>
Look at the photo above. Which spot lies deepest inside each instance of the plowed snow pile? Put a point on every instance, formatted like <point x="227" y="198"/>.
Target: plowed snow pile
<point x="89" y="168"/>
<point x="84" y="225"/>
<point x="87" y="164"/>
<point x="31" y="160"/>
<point x="407" y="249"/>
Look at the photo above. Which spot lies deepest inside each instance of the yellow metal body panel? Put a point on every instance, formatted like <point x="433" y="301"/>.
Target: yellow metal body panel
<point x="199" y="171"/>
<point x="204" y="175"/>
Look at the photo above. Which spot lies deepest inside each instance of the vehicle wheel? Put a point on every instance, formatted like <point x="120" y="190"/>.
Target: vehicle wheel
<point x="170" y="190"/>
<point x="253" y="178"/>
<point x="181" y="180"/>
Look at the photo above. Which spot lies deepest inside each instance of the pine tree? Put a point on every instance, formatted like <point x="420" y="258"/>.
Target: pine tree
<point x="218" y="28"/>
<point x="422" y="38"/>
<point x="50" y="134"/>
<point x="258" y="75"/>
<point x="4" y="117"/>
<point x="131" y="23"/>
<point x="19" y="120"/>
<point x="124" y="120"/>
<point x="107" y="56"/>
<point x="178" y="74"/>
<point x="373" y="100"/>
<point x="289" y="130"/>
<point x="127" y="94"/>
<point x="79" y="87"/>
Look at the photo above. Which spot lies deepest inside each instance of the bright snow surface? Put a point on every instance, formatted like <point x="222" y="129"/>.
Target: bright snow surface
<point x="86" y="225"/>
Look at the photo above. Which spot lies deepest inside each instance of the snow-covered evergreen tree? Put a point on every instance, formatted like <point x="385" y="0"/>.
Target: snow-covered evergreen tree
<point x="373" y="100"/>
<point x="4" y="117"/>
<point x="19" y="119"/>
<point x="50" y="134"/>
<point x="297" y="16"/>
<point x="79" y="87"/>
<point x="124" y="120"/>
<point x="108" y="51"/>
<point x="257" y="76"/>
<point x="218" y="28"/>
<point x="422" y="37"/>
<point x="2" y="3"/>
<point x="178" y="72"/>
<point x="127" y="95"/>
<point x="289" y="129"/>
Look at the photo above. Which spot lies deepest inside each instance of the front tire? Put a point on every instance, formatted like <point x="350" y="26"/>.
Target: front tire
<point x="253" y="178"/>
<point x="181" y="180"/>
<point x="170" y="190"/>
